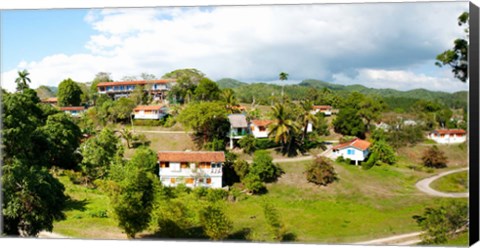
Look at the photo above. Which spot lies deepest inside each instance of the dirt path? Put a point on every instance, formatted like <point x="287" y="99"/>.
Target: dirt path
<point x="401" y="239"/>
<point x="50" y="235"/>
<point x="424" y="185"/>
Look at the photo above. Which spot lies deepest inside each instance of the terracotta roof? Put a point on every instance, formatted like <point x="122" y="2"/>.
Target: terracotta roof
<point x="144" y="107"/>
<point x="450" y="131"/>
<point x="138" y="82"/>
<point x="239" y="107"/>
<point x="238" y="120"/>
<point x="322" y="107"/>
<point x="72" y="108"/>
<point x="261" y="123"/>
<point x="357" y="143"/>
<point x="191" y="156"/>
<point x="50" y="99"/>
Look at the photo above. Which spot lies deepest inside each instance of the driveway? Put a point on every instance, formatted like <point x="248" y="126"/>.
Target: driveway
<point x="424" y="185"/>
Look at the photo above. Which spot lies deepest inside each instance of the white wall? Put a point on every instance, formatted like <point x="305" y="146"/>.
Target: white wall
<point x="448" y="138"/>
<point x="258" y="134"/>
<point x="175" y="171"/>
<point x="358" y="155"/>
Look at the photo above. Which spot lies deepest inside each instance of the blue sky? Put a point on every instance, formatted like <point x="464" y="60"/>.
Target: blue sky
<point x="377" y="45"/>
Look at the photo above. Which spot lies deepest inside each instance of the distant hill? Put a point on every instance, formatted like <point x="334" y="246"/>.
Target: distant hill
<point x="229" y="83"/>
<point x="46" y="91"/>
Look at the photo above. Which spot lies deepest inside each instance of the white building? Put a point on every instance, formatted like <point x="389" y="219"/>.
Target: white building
<point x="238" y="127"/>
<point x="259" y="128"/>
<point x="149" y="112"/>
<point x="325" y="109"/>
<point x="194" y="169"/>
<point x="448" y="136"/>
<point x="157" y="88"/>
<point x="356" y="150"/>
<point x="74" y="111"/>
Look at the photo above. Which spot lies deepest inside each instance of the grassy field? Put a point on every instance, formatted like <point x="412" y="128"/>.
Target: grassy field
<point x="456" y="154"/>
<point x="457" y="182"/>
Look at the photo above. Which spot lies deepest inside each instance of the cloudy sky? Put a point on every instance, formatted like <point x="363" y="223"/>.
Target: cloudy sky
<point x="390" y="45"/>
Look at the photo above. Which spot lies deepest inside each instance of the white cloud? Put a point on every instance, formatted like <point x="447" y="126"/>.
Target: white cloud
<point x="255" y="43"/>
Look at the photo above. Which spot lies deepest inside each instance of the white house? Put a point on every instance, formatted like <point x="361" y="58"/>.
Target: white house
<point x="259" y="128"/>
<point x="194" y="169"/>
<point x="238" y="127"/>
<point x="355" y="150"/>
<point x="74" y="111"/>
<point x="325" y="109"/>
<point x="149" y="112"/>
<point x="156" y="88"/>
<point x="448" y="136"/>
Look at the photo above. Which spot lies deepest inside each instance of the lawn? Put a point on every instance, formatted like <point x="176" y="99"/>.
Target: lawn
<point x="456" y="183"/>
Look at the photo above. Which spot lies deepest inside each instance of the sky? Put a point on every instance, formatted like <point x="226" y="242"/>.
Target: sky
<point x="378" y="45"/>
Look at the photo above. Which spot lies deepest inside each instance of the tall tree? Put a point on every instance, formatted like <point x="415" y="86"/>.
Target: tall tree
<point x="207" y="90"/>
<point x="69" y="93"/>
<point x="22" y="80"/>
<point x="283" y="128"/>
<point x="228" y="97"/>
<point x="186" y="82"/>
<point x="307" y="116"/>
<point x="283" y="76"/>
<point x="349" y="122"/>
<point x="457" y="57"/>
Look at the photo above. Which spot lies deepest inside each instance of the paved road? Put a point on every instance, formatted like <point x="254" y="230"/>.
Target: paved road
<point x="424" y="185"/>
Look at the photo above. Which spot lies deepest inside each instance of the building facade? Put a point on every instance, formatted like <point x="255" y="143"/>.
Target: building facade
<point x="259" y="128"/>
<point x="194" y="169"/>
<point x="356" y="150"/>
<point x="156" y="88"/>
<point x="149" y="112"/>
<point x="325" y="109"/>
<point x="448" y="136"/>
<point x="74" y="111"/>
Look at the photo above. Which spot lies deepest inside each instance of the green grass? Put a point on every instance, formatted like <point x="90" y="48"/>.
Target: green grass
<point x="456" y="182"/>
<point x="460" y="240"/>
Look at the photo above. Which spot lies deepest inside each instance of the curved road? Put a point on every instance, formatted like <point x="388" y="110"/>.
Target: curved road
<point x="424" y="185"/>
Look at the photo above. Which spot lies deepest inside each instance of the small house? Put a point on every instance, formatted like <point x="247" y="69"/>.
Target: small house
<point x="149" y="112"/>
<point x="448" y="136"/>
<point x="325" y="109"/>
<point x="51" y="100"/>
<point x="259" y="128"/>
<point x="238" y="127"/>
<point x="74" y="111"/>
<point x="194" y="169"/>
<point x="356" y="150"/>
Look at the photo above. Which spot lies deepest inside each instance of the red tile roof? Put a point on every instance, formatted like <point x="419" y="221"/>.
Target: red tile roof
<point x="191" y="156"/>
<point x="72" y="108"/>
<point x="450" y="131"/>
<point x="239" y="107"/>
<point x="138" y="82"/>
<point x="261" y="123"/>
<point x="357" y="143"/>
<point x="50" y="100"/>
<point x="322" y="107"/>
<point x="144" y="107"/>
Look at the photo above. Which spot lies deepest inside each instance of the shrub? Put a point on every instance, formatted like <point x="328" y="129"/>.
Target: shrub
<point x="320" y="172"/>
<point x="340" y="159"/>
<point x="434" y="158"/>
<point x="216" y="224"/>
<point x="241" y="168"/>
<point x="216" y="194"/>
<point x="273" y="221"/>
<point x="215" y="145"/>
<point x="265" y="143"/>
<point x="149" y="123"/>
<point x="248" y="144"/>
<point x="169" y="121"/>
<point x="264" y="167"/>
<point x="254" y="184"/>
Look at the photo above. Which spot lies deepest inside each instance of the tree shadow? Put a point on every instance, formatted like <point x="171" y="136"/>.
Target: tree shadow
<point x="72" y="204"/>
<point x="242" y="234"/>
<point x="173" y="231"/>
<point x="289" y="237"/>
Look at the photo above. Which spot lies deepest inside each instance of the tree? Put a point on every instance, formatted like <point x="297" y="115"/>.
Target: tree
<point x="63" y="137"/>
<point x="100" y="77"/>
<point x="99" y="152"/>
<point x="216" y="224"/>
<point x="145" y="159"/>
<point x="207" y="119"/>
<point x="22" y="80"/>
<point x="207" y="90"/>
<point x="253" y="183"/>
<point x="138" y="95"/>
<point x="370" y="109"/>
<point x="69" y="93"/>
<point x="228" y="97"/>
<point x="320" y="172"/>
<point x="247" y="143"/>
<point x="457" y="57"/>
<point x="186" y="82"/>
<point x="442" y="223"/>
<point x="32" y="199"/>
<point x="122" y="109"/>
<point x="381" y="152"/>
<point x="264" y="167"/>
<point x="133" y="199"/>
<point x="283" y="129"/>
<point x="283" y="76"/>
<point x="349" y="122"/>
<point x="241" y="168"/>
<point x="434" y="158"/>
<point x="273" y="221"/>
<point x="306" y="116"/>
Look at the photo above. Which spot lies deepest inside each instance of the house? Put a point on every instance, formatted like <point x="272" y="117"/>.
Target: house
<point x="74" y="111"/>
<point x="142" y="112"/>
<point x="51" y="100"/>
<point x="448" y="136"/>
<point x="259" y="128"/>
<point x="156" y="88"/>
<point x="194" y="169"/>
<point x="238" y="127"/>
<point x="325" y="109"/>
<point x="356" y="150"/>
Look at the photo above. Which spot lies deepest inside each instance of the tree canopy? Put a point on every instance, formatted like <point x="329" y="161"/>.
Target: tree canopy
<point x="69" y="93"/>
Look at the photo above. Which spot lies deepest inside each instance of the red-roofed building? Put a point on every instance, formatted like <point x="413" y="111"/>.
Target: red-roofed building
<point x="75" y="111"/>
<point x="356" y="150"/>
<point x="325" y="109"/>
<point x="191" y="168"/>
<point x="143" y="112"/>
<point x="448" y="136"/>
<point x="51" y="100"/>
<point x="259" y="128"/>
<point x="156" y="88"/>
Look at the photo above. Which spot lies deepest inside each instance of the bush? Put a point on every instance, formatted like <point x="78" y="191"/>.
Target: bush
<point x="216" y="224"/>
<point x="149" y="123"/>
<point x="241" y="168"/>
<point x="320" y="172"/>
<point x="274" y="222"/>
<point x="215" y="145"/>
<point x="248" y="144"/>
<point x="254" y="184"/>
<point x="264" y="167"/>
<point x="265" y="143"/>
<point x="340" y="159"/>
<point x="169" y="121"/>
<point x="434" y="158"/>
<point x="214" y="195"/>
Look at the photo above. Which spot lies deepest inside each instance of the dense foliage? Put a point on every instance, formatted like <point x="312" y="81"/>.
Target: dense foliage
<point x="434" y="158"/>
<point x="321" y="172"/>
<point x="69" y="93"/>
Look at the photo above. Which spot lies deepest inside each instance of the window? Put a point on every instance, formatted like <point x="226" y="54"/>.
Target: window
<point x="209" y="181"/>
<point x="189" y="180"/>
<point x="350" y="152"/>
<point x="262" y="128"/>
<point x="184" y="165"/>
<point x="172" y="180"/>
<point x="164" y="164"/>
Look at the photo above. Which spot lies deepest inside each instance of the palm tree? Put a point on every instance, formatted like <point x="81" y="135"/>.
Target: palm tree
<point x="307" y="116"/>
<point x="283" y="76"/>
<point x="22" y="80"/>
<point x="282" y="129"/>
<point x="228" y="96"/>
